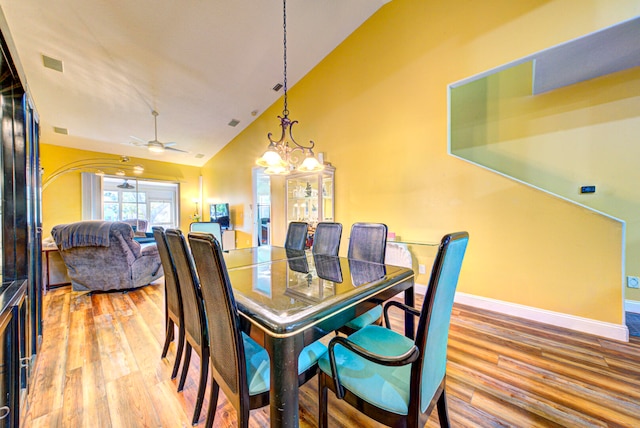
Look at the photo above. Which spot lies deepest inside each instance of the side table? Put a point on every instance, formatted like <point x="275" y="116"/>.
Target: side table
<point x="55" y="271"/>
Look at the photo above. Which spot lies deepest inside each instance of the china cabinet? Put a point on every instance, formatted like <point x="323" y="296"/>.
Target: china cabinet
<point x="21" y="269"/>
<point x="310" y="196"/>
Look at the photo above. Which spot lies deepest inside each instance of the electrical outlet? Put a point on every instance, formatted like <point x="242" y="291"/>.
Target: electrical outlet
<point x="633" y="282"/>
<point x="422" y="269"/>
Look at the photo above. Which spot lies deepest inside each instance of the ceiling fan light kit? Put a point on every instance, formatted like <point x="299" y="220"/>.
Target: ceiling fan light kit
<point x="155" y="145"/>
<point x="126" y="185"/>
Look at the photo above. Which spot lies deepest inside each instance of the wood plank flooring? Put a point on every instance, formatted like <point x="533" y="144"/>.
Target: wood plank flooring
<point x="100" y="366"/>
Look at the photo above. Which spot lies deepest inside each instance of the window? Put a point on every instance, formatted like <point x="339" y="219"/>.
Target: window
<point x="155" y="201"/>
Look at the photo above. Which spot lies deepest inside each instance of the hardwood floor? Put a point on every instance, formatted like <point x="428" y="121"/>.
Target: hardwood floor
<point x="100" y="366"/>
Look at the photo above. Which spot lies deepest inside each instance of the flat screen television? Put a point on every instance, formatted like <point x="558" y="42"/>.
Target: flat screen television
<point x="220" y="214"/>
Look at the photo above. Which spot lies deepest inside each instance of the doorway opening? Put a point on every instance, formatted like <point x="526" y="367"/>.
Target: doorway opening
<point x="262" y="204"/>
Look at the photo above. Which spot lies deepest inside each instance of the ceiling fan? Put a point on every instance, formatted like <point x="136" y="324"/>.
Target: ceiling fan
<point x="155" y="145"/>
<point x="125" y="185"/>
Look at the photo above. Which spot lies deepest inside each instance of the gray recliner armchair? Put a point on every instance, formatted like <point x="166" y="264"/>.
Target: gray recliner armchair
<point x="102" y="255"/>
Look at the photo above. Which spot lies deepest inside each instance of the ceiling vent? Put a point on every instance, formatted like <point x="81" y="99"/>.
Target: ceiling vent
<point x="277" y="87"/>
<point x="52" y="63"/>
<point x="58" y="130"/>
<point x="234" y="122"/>
<point x="199" y="156"/>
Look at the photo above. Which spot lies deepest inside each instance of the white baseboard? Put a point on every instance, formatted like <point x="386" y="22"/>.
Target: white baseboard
<point x="585" y="325"/>
<point x="420" y="289"/>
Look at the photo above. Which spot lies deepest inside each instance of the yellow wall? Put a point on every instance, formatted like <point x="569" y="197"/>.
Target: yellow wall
<point x="377" y="106"/>
<point x="62" y="199"/>
<point x="581" y="134"/>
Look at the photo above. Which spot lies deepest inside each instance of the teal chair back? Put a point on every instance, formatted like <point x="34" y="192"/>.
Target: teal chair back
<point x="207" y="227"/>
<point x="433" y="328"/>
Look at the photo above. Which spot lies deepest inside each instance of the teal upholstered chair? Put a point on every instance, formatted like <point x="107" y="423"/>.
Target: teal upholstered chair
<point x="395" y="380"/>
<point x="368" y="242"/>
<point x="207" y="227"/>
<point x="239" y="365"/>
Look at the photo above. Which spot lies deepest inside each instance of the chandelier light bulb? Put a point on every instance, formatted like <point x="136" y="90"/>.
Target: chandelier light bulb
<point x="270" y="158"/>
<point x="276" y="170"/>
<point x="310" y="164"/>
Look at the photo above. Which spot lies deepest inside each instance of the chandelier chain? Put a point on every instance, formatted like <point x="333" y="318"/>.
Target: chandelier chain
<point x="279" y="159"/>
<point x="285" y="112"/>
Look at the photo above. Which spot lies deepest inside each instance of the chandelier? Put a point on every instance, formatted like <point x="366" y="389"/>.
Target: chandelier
<point x="279" y="158"/>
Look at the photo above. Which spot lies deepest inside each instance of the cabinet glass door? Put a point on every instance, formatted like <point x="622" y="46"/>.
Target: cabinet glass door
<point x="310" y="197"/>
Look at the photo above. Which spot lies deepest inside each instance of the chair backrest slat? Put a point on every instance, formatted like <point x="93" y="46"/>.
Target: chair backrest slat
<point x="297" y="233"/>
<point x="174" y="299"/>
<point x="194" y="320"/>
<point x="326" y="239"/>
<point x="368" y="242"/>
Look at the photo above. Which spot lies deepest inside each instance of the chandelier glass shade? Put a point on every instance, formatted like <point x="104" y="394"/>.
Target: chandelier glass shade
<point x="281" y="157"/>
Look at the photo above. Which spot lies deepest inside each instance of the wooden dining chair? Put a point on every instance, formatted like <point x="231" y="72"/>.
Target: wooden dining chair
<point x="326" y="239"/>
<point x="196" y="333"/>
<point x="389" y="377"/>
<point x="297" y="234"/>
<point x="239" y="365"/>
<point x="368" y="243"/>
<point x="172" y="299"/>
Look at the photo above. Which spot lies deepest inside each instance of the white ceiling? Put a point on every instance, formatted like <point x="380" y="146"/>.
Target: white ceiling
<point x="199" y="63"/>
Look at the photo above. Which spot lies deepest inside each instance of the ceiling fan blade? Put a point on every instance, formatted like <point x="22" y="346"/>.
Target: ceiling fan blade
<point x="155" y="145"/>
<point x="174" y="149"/>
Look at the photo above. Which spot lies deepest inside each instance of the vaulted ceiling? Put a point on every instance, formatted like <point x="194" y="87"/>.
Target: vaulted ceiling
<point x="200" y="64"/>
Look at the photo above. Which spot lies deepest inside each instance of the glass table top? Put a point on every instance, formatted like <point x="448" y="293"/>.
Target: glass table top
<point x="285" y="295"/>
<point x="255" y="255"/>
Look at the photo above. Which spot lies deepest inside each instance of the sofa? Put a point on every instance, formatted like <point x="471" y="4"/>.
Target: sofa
<point x="102" y="256"/>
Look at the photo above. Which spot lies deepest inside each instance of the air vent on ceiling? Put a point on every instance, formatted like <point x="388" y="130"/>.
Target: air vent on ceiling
<point x="52" y="63"/>
<point x="277" y="87"/>
<point x="58" y="130"/>
<point x="199" y="156"/>
<point x="234" y="122"/>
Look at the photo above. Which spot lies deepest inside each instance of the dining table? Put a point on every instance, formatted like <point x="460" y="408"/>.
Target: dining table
<point x="288" y="299"/>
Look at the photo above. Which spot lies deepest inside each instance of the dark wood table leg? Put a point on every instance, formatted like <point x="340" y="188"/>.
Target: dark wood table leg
<point x="283" y="396"/>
